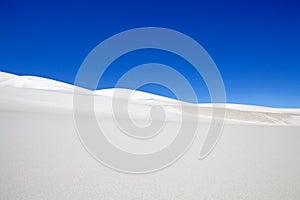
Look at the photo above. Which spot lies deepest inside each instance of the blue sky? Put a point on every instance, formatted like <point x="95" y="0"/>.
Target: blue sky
<point x="255" y="44"/>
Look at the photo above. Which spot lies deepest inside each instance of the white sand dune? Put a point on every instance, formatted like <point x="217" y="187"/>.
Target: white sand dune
<point x="33" y="82"/>
<point x="41" y="156"/>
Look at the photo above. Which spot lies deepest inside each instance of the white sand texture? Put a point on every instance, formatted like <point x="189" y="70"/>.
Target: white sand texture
<point x="42" y="155"/>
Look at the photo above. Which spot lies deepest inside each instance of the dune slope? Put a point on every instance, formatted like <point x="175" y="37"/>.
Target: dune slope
<point x="42" y="157"/>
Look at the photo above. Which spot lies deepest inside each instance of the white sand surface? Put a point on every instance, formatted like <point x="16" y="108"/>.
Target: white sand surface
<point x="42" y="157"/>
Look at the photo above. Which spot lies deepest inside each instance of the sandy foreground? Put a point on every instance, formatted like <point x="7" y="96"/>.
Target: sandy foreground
<point x="42" y="157"/>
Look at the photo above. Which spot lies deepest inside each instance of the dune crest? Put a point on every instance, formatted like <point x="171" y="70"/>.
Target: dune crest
<point x="36" y="94"/>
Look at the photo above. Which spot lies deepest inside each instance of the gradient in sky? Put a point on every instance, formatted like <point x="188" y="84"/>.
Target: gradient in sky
<point x="255" y="44"/>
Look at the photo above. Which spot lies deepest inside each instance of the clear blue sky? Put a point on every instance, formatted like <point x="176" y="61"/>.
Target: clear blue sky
<point x="255" y="44"/>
